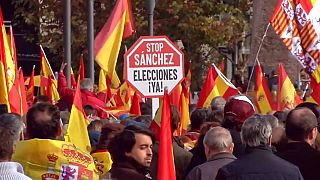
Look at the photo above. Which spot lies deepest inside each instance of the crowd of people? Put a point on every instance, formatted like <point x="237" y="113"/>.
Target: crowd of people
<point x="230" y="140"/>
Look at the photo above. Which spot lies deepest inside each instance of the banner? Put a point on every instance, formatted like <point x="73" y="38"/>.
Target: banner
<point x="52" y="159"/>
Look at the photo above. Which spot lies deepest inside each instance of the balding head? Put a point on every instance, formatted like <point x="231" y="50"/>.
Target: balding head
<point x="217" y="140"/>
<point x="300" y="123"/>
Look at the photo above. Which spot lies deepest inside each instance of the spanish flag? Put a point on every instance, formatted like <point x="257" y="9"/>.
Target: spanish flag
<point x="287" y="96"/>
<point x="30" y="91"/>
<point x="263" y="97"/>
<point x="216" y="84"/>
<point x="8" y="83"/>
<point x="77" y="132"/>
<point x="108" y="41"/>
<point x="46" y="73"/>
<point x="184" y="110"/>
<point x="315" y="95"/>
<point x="166" y="167"/>
<point x="22" y="92"/>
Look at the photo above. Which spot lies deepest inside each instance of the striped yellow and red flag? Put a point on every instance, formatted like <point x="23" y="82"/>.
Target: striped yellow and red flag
<point x="77" y="132"/>
<point x="10" y="70"/>
<point x="108" y="41"/>
<point x="73" y="79"/>
<point x="4" y="99"/>
<point x="263" y="97"/>
<point x="287" y="96"/>
<point x="166" y="167"/>
<point x="46" y="73"/>
<point x="216" y="84"/>
<point x="22" y="92"/>
<point x="184" y="111"/>
<point x="30" y="91"/>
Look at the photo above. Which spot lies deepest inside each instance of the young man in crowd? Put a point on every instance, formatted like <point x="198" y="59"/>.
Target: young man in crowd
<point x="11" y="127"/>
<point x="218" y="149"/>
<point x="301" y="130"/>
<point x="131" y="153"/>
<point x="258" y="162"/>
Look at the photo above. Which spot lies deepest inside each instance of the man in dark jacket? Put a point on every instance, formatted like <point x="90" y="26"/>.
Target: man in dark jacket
<point x="131" y="153"/>
<point x="301" y="131"/>
<point x="218" y="149"/>
<point x="258" y="162"/>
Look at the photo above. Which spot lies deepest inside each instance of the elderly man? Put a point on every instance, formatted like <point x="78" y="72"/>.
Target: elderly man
<point x="11" y="127"/>
<point x="218" y="149"/>
<point x="259" y="162"/>
<point x="301" y="130"/>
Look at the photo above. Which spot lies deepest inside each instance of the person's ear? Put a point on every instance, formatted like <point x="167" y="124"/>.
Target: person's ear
<point x="313" y="134"/>
<point x="230" y="148"/>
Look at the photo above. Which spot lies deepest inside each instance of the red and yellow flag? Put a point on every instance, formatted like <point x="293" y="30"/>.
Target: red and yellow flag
<point x="184" y="111"/>
<point x="22" y="92"/>
<point x="216" y="84"/>
<point x="77" y="132"/>
<point x="30" y="91"/>
<point x="108" y="41"/>
<point x="46" y="73"/>
<point x="263" y="97"/>
<point x="287" y="96"/>
<point x="166" y="167"/>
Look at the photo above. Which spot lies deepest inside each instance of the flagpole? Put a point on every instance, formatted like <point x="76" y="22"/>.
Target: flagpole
<point x="256" y="58"/>
<point x="90" y="34"/>
<point x="67" y="38"/>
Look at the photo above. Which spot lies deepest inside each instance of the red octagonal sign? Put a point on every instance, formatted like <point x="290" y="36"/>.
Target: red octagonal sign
<point x="153" y="63"/>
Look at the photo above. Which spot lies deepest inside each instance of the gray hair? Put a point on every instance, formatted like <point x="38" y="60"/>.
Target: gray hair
<point x="11" y="127"/>
<point x="274" y="122"/>
<point x="86" y="84"/>
<point x="218" y="139"/>
<point x="218" y="103"/>
<point x="256" y="131"/>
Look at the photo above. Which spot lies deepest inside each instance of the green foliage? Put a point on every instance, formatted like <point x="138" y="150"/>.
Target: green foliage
<point x="195" y="22"/>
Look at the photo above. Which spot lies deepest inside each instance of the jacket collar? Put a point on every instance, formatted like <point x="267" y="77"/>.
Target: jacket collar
<point x="130" y="163"/>
<point x="223" y="155"/>
<point x="258" y="148"/>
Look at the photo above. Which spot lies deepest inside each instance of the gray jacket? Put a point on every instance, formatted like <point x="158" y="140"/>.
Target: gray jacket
<point x="209" y="169"/>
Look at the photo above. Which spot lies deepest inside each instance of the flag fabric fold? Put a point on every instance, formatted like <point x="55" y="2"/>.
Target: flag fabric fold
<point x="135" y="106"/>
<point x="22" y="92"/>
<point x="216" y="84"/>
<point x="263" y="97"/>
<point x="77" y="132"/>
<point x="287" y="96"/>
<point x="108" y="41"/>
<point x="45" y="74"/>
<point x="30" y="91"/>
<point x="166" y="167"/>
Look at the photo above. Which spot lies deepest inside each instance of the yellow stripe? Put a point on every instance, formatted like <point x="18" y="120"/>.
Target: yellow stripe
<point x="3" y="88"/>
<point x="11" y="69"/>
<point x="77" y="132"/>
<point x="214" y="92"/>
<point x="108" y="54"/>
<point x="287" y="94"/>
<point x="185" y="118"/>
<point x="313" y="2"/>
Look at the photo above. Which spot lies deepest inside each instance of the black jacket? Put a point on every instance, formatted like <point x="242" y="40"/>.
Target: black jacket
<point x="259" y="163"/>
<point x="209" y="169"/>
<point x="305" y="157"/>
<point x="129" y="169"/>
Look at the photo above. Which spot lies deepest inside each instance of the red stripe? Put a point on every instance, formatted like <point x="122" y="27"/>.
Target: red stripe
<point x="207" y="87"/>
<point x="230" y="92"/>
<point x="276" y="11"/>
<point x="306" y="4"/>
<point x="109" y="27"/>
